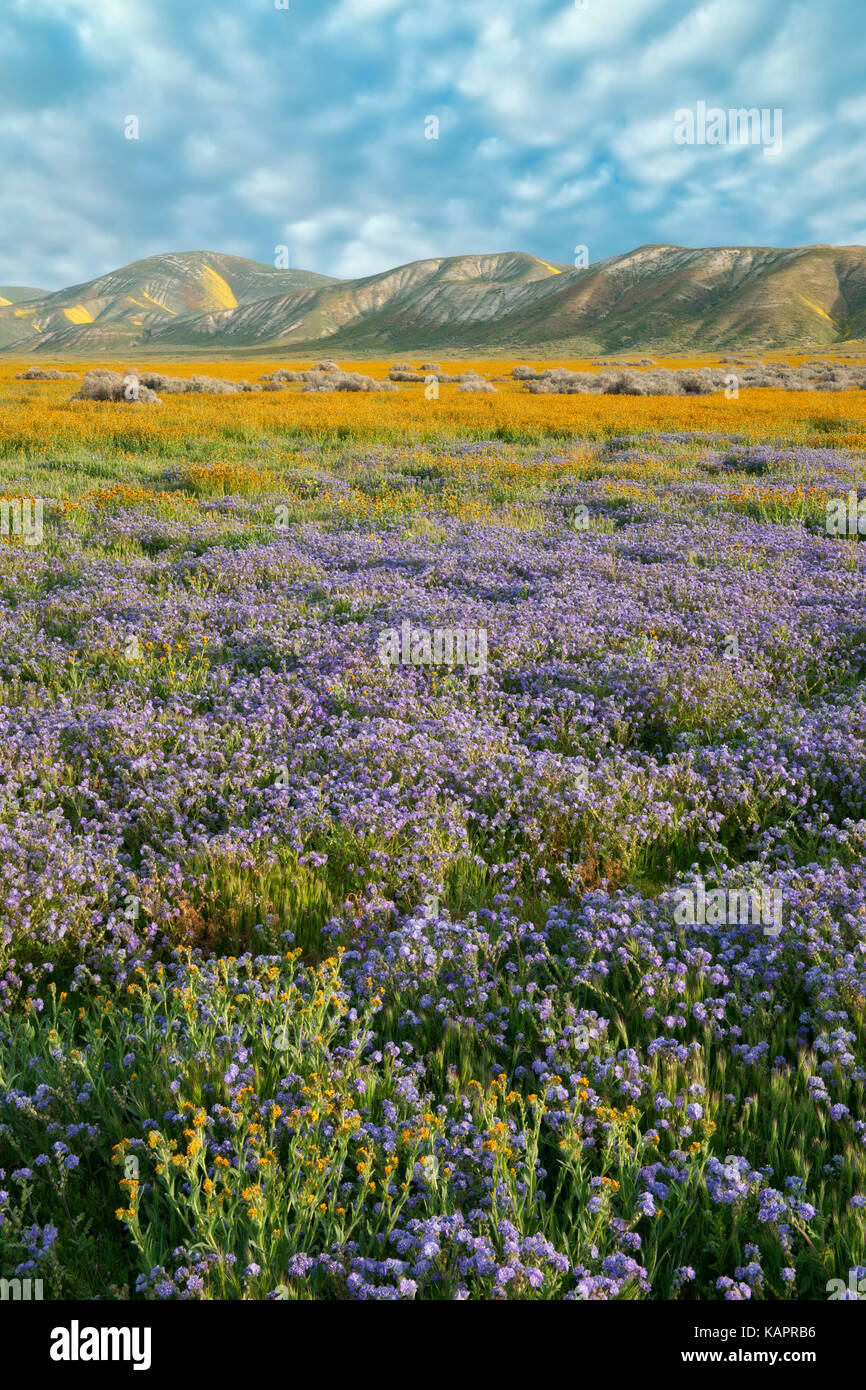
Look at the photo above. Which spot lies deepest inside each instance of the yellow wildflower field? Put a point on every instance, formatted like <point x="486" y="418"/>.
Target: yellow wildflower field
<point x="39" y="417"/>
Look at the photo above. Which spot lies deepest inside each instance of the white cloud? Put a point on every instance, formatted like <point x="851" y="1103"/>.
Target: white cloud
<point x="262" y="126"/>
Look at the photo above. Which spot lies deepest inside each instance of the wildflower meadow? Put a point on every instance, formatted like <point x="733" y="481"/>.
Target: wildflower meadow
<point x="433" y="830"/>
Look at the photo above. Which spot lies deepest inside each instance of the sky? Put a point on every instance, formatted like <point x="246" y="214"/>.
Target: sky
<point x="307" y="124"/>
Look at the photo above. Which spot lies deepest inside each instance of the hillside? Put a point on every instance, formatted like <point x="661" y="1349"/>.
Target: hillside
<point x="662" y="297"/>
<point x="126" y="306"/>
<point x="19" y="294"/>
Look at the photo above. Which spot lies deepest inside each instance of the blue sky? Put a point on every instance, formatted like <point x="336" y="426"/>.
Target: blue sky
<point x="261" y="127"/>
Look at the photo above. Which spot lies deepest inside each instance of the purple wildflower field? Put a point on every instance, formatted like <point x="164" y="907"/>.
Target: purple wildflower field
<point x="449" y="904"/>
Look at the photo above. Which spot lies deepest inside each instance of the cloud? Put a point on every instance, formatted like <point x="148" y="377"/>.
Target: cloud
<point x="262" y="126"/>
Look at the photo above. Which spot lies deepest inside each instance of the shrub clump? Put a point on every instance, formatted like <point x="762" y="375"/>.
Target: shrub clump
<point x="100" y="384"/>
<point x="321" y="380"/>
<point x="45" y="374"/>
<point x="280" y="377"/>
<point x="345" y="381"/>
<point x="701" y="381"/>
<point x="558" y="381"/>
<point x="194" y="385"/>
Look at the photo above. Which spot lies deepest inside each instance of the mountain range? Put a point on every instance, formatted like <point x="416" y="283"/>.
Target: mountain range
<point x="663" y="297"/>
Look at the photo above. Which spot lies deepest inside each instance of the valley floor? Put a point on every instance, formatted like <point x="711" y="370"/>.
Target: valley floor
<point x="433" y="865"/>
